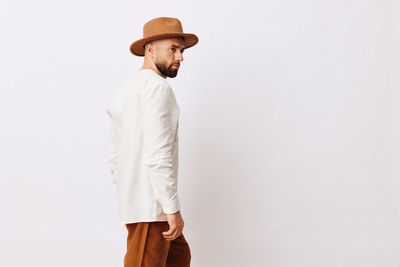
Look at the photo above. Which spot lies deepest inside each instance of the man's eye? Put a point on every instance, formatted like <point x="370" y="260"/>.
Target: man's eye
<point x="173" y="49"/>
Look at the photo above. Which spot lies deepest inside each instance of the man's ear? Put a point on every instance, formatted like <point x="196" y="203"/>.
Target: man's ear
<point x="149" y="48"/>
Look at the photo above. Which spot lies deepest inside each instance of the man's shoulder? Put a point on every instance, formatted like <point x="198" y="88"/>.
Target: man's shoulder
<point x="156" y="80"/>
<point x="139" y="80"/>
<point x="147" y="84"/>
<point x="156" y="83"/>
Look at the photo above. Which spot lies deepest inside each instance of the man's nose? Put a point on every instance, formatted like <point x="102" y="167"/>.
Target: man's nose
<point x="180" y="56"/>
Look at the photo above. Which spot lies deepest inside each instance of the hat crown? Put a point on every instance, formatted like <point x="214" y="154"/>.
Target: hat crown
<point x="162" y="25"/>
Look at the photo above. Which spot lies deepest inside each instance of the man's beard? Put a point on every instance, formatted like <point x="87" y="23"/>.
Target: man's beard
<point x="166" y="71"/>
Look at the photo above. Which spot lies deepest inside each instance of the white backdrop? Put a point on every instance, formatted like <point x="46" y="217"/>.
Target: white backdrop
<point x="289" y="131"/>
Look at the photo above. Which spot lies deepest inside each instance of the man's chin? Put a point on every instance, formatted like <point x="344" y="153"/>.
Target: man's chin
<point x="173" y="74"/>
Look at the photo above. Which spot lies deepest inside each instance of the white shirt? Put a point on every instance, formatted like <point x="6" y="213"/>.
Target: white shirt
<point x="143" y="148"/>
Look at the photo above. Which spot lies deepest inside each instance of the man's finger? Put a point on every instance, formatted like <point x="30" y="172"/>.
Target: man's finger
<point x="172" y="234"/>
<point x="175" y="235"/>
<point x="170" y="231"/>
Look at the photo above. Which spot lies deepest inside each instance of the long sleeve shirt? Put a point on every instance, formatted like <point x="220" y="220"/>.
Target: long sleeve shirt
<point x="143" y="148"/>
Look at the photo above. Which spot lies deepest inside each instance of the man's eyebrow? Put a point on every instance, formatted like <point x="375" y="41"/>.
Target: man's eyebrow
<point x="177" y="46"/>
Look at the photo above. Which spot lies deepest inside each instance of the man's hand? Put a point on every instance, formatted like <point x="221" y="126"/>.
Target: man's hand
<point x="176" y="224"/>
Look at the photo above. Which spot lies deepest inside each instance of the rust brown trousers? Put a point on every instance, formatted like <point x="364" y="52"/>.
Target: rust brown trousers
<point x="147" y="247"/>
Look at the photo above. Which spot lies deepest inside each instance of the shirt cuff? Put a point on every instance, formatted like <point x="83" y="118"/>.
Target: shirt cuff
<point x="171" y="206"/>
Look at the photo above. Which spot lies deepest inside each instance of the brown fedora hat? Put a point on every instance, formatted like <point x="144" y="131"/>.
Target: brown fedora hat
<point x="160" y="28"/>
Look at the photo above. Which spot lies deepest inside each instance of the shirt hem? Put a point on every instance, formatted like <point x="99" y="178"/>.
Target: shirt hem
<point x="143" y="220"/>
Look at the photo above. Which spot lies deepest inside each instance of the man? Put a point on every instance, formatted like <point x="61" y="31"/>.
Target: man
<point x="143" y="149"/>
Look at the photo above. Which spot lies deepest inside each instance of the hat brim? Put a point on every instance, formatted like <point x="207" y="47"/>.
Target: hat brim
<point x="137" y="47"/>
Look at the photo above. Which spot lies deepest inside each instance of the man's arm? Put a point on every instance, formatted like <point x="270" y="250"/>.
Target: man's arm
<point x="112" y="148"/>
<point x="158" y="136"/>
